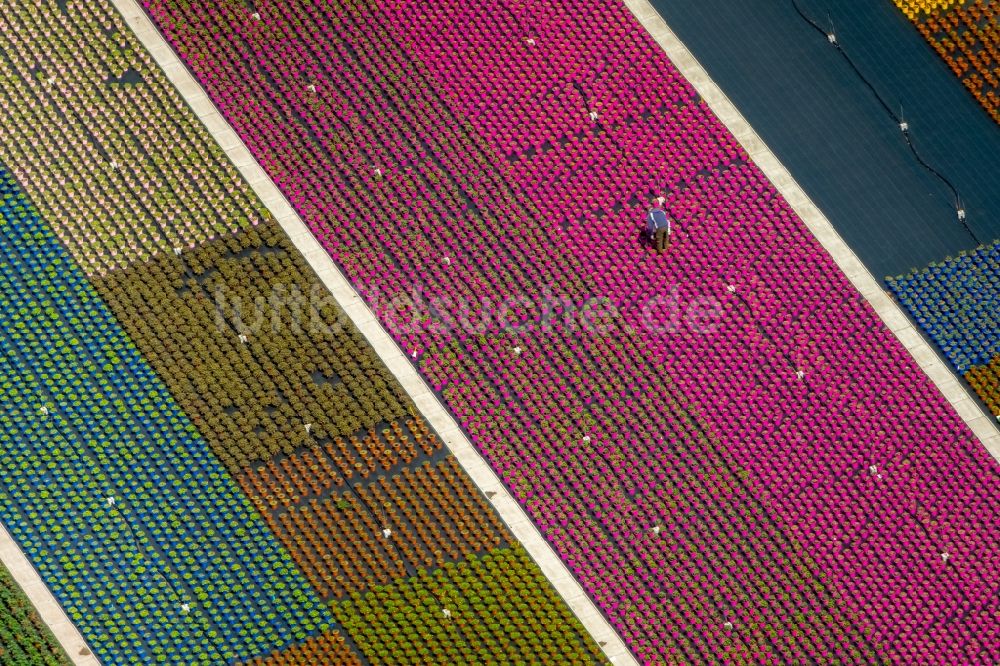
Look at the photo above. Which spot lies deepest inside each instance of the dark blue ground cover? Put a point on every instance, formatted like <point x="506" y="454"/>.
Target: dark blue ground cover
<point x="957" y="303"/>
<point x="830" y="131"/>
<point x="178" y="568"/>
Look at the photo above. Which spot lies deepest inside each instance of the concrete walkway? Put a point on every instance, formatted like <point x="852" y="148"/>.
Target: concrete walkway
<point x="967" y="407"/>
<point x="49" y="610"/>
<point x="829" y="129"/>
<point x="362" y="317"/>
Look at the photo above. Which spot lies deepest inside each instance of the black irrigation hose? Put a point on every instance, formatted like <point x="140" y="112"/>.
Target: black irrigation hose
<point x="764" y="332"/>
<point x="112" y="506"/>
<point x="832" y="39"/>
<point x="385" y="525"/>
<point x="585" y="98"/>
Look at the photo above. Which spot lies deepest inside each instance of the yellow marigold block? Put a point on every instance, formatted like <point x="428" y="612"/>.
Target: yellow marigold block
<point x="911" y="7"/>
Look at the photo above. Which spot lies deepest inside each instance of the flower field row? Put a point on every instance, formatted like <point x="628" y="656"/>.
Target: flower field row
<point x="956" y="302"/>
<point x="276" y="382"/>
<point x="363" y="465"/>
<point x="142" y="536"/>
<point x="313" y="473"/>
<point x="966" y="34"/>
<point x="434" y="513"/>
<point x="742" y="404"/>
<point x="24" y="639"/>
<point x="985" y="381"/>
<point x="321" y="649"/>
<point x="480" y="611"/>
<point x="116" y="162"/>
<point x="254" y="399"/>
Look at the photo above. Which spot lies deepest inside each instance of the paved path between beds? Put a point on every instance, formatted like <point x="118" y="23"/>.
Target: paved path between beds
<point x="828" y="128"/>
<point x="49" y="610"/>
<point x="362" y="317"/>
<point x="940" y="373"/>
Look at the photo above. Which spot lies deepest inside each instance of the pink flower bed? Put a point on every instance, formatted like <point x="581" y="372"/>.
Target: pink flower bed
<point x="744" y="464"/>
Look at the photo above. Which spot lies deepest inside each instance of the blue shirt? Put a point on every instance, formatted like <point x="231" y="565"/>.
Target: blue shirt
<point x="657" y="219"/>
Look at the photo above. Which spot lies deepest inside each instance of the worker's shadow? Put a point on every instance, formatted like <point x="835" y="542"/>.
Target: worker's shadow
<point x="645" y="240"/>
